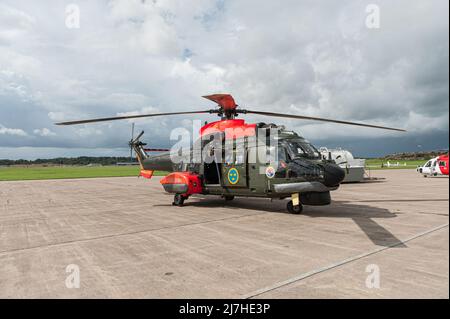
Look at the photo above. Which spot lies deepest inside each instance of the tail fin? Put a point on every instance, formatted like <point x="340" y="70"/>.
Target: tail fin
<point x="138" y="148"/>
<point x="141" y="154"/>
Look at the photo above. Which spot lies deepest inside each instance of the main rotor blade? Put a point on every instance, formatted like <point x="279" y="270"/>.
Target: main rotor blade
<point x="301" y="117"/>
<point x="115" y="118"/>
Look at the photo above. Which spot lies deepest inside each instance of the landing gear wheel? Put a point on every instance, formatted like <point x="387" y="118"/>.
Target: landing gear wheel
<point x="178" y="200"/>
<point x="294" y="209"/>
<point x="229" y="198"/>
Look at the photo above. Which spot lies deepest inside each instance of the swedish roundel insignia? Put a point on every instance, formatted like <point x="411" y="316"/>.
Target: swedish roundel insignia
<point x="233" y="176"/>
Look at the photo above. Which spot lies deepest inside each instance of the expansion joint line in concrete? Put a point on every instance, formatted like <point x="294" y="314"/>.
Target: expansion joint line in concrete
<point x="338" y="264"/>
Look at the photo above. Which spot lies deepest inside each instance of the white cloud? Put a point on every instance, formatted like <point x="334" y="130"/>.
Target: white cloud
<point x="144" y="110"/>
<point x="57" y="116"/>
<point x="12" y="131"/>
<point x="13" y="23"/>
<point x="44" y="132"/>
<point x="88" y="132"/>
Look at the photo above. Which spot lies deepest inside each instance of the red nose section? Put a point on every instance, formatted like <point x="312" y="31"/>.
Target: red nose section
<point x="224" y="100"/>
<point x="443" y="164"/>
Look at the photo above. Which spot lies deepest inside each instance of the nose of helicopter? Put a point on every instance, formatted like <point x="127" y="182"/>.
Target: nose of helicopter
<point x="333" y="175"/>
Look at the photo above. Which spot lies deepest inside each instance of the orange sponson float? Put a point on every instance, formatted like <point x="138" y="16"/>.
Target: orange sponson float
<point x="185" y="183"/>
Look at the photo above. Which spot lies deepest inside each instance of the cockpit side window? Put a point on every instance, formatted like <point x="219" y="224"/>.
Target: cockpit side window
<point x="282" y="155"/>
<point x="301" y="148"/>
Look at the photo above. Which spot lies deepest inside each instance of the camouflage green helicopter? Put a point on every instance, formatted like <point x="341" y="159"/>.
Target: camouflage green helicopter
<point x="226" y="163"/>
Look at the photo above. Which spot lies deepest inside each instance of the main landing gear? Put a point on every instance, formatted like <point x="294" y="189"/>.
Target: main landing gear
<point x="178" y="200"/>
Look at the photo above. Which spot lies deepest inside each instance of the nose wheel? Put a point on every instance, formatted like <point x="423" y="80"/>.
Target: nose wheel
<point x="178" y="200"/>
<point x="297" y="209"/>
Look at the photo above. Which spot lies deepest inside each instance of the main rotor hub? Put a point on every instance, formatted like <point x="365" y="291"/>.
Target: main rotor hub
<point x="227" y="105"/>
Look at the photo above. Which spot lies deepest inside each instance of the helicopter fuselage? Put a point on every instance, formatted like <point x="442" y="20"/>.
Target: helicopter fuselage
<point x="299" y="170"/>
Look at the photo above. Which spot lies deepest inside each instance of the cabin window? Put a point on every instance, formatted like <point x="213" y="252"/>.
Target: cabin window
<point x="193" y="167"/>
<point x="229" y="158"/>
<point x="240" y="158"/>
<point x="236" y="157"/>
<point x="443" y="164"/>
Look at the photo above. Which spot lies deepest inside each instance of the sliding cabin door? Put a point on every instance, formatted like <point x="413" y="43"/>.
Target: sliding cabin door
<point x="234" y="169"/>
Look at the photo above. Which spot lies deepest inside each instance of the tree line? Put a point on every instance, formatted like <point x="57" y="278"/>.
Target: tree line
<point x="86" y="160"/>
<point x="425" y="155"/>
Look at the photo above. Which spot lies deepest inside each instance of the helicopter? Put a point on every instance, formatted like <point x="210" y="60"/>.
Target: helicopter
<point x="226" y="164"/>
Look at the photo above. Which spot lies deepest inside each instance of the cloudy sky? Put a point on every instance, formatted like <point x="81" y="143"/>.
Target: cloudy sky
<point x="317" y="58"/>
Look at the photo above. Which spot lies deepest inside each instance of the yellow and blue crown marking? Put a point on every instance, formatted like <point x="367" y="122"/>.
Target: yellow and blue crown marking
<point x="233" y="176"/>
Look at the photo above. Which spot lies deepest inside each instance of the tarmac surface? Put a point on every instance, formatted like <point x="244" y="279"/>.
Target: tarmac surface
<point x="381" y="239"/>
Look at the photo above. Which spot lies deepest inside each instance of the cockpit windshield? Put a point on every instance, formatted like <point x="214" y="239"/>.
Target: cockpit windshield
<point x="302" y="148"/>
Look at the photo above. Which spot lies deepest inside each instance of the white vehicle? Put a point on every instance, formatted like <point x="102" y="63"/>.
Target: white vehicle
<point x="354" y="167"/>
<point x="428" y="168"/>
